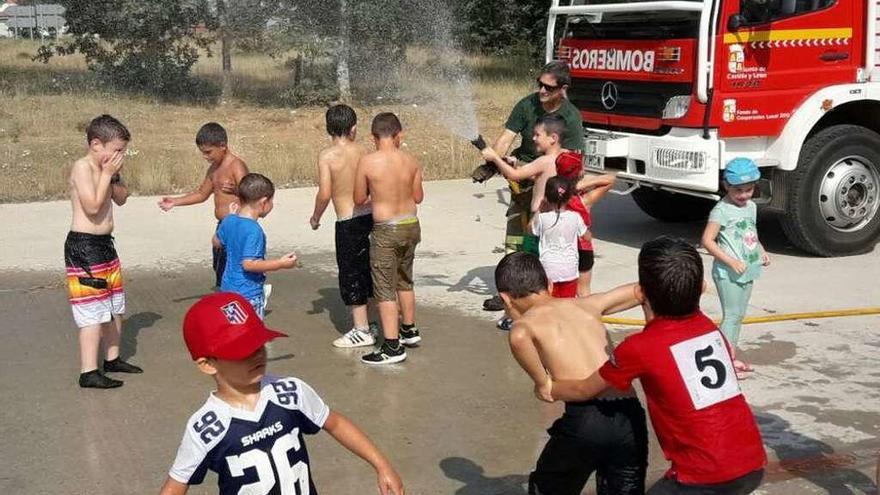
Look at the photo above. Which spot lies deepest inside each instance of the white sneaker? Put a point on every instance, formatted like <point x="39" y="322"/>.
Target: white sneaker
<point x="355" y="338"/>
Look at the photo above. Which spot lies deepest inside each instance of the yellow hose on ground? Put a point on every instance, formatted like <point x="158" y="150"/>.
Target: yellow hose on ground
<point x="613" y="320"/>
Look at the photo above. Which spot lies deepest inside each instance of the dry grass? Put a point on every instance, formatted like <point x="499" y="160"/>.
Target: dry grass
<point x="45" y="109"/>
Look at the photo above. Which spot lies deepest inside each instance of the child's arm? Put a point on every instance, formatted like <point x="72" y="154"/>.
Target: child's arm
<point x="578" y="390"/>
<point x="263" y="266"/>
<point x="595" y="186"/>
<point x="352" y="438"/>
<point x="92" y="196"/>
<point x="708" y="241"/>
<point x="322" y="198"/>
<point x="527" y="171"/>
<point x="526" y="354"/>
<point x="615" y="300"/>
<point x="765" y="258"/>
<point x="361" y="188"/>
<point x="418" y="191"/>
<point x="200" y="195"/>
<point x="173" y="487"/>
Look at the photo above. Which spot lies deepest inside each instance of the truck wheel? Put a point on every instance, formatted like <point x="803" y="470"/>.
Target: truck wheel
<point x="671" y="207"/>
<point x="832" y="203"/>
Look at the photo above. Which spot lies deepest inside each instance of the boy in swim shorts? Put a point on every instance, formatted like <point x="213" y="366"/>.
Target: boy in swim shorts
<point x="94" y="275"/>
<point x="391" y="179"/>
<point x="337" y="165"/>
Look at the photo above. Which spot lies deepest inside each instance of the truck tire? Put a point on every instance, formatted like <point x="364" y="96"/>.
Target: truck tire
<point x="671" y="207"/>
<point x="832" y="195"/>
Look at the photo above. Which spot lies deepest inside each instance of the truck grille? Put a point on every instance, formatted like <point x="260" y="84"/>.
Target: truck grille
<point x="635" y="98"/>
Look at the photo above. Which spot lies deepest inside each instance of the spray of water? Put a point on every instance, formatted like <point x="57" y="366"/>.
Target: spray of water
<point x="435" y="75"/>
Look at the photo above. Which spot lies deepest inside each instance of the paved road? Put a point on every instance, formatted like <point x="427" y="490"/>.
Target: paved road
<point x="458" y="416"/>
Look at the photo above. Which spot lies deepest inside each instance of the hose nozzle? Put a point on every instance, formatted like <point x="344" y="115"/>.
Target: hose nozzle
<point x="479" y="142"/>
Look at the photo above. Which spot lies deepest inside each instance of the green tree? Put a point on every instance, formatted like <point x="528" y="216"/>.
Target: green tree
<point x="142" y="45"/>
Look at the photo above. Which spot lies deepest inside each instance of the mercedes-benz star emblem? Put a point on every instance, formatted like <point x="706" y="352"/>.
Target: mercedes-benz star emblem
<point x="609" y="95"/>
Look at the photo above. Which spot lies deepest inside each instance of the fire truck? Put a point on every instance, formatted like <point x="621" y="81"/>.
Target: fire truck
<point x="671" y="90"/>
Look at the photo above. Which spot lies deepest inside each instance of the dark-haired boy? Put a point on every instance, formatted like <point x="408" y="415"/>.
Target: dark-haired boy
<point x="565" y="339"/>
<point x="245" y="243"/>
<point x="337" y="165"/>
<point x="701" y="417"/>
<point x="391" y="180"/>
<point x="94" y="275"/>
<point x="224" y="173"/>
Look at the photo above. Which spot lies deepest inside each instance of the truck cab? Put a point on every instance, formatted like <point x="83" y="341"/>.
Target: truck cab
<point x="671" y="90"/>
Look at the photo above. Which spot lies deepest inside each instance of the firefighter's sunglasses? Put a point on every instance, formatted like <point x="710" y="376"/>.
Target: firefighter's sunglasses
<point x="547" y="87"/>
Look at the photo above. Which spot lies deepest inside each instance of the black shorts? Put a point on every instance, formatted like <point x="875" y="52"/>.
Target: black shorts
<point x="585" y="261"/>
<point x="353" y="259"/>
<point x="609" y="437"/>
<point x="739" y="486"/>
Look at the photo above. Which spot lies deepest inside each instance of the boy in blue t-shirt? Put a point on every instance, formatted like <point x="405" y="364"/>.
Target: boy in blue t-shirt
<point x="245" y="243"/>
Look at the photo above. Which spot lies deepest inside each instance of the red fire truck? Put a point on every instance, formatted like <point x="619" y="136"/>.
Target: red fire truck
<point x="670" y="90"/>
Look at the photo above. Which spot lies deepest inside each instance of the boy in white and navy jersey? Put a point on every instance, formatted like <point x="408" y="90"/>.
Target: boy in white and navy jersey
<point x="250" y="430"/>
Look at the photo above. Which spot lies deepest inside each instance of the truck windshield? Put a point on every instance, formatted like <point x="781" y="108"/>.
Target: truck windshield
<point x="641" y="25"/>
<point x="634" y="26"/>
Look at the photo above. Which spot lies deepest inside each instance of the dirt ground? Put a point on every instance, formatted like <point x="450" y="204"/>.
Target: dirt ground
<point x="458" y="416"/>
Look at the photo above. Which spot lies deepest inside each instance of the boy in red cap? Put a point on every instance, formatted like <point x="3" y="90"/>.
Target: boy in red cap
<point x="250" y="430"/>
<point x="590" y="189"/>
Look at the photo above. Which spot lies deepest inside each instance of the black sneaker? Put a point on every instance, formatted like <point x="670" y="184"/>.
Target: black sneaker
<point x="504" y="324"/>
<point x="119" y="366"/>
<point x="96" y="379"/>
<point x="385" y="354"/>
<point x="494" y="303"/>
<point x="411" y="336"/>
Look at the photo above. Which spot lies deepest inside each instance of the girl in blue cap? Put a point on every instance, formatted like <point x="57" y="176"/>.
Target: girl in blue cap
<point x="731" y="236"/>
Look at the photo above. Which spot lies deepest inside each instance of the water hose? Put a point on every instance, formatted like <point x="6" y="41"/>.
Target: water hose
<point x="613" y="320"/>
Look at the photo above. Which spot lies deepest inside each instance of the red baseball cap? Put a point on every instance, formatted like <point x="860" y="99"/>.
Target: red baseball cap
<point x="569" y="164"/>
<point x="224" y="325"/>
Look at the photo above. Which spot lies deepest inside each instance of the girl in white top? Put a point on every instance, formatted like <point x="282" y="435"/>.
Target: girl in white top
<point x="559" y="229"/>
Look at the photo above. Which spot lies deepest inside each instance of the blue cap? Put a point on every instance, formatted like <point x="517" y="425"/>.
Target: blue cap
<point x="741" y="171"/>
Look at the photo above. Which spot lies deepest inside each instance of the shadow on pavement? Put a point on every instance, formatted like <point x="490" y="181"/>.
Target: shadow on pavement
<point x="131" y="329"/>
<point x="804" y="457"/>
<point x="476" y="483"/>
<point x="331" y="303"/>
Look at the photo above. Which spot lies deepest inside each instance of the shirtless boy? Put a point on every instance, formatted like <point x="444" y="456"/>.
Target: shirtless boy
<point x="224" y="174"/>
<point x="565" y="337"/>
<point x="548" y="136"/>
<point x="94" y="275"/>
<point x="337" y="166"/>
<point x="391" y="180"/>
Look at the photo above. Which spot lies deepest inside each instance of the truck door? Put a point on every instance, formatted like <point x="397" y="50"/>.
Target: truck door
<point x="772" y="54"/>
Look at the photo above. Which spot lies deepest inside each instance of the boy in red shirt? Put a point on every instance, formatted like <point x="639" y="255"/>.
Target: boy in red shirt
<point x="701" y="418"/>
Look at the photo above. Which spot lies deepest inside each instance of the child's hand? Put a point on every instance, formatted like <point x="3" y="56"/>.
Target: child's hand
<point x="287" y="261"/>
<point x="738" y="266"/>
<point x="543" y="390"/>
<point x="489" y="154"/>
<point x="112" y="164"/>
<point x="228" y="186"/>
<point x="314" y="223"/>
<point x="765" y="259"/>
<point x="166" y="204"/>
<point x="389" y="482"/>
<point x="233" y="208"/>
